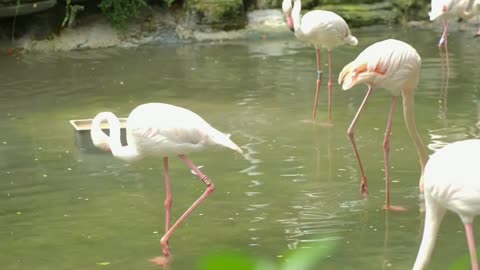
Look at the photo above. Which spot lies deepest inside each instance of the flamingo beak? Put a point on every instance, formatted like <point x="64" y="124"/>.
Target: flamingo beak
<point x="290" y="23"/>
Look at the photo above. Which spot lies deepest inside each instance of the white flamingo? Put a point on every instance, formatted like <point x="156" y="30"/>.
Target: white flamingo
<point x="158" y="129"/>
<point x="321" y="29"/>
<point x="445" y="9"/>
<point x="395" y="66"/>
<point x="451" y="181"/>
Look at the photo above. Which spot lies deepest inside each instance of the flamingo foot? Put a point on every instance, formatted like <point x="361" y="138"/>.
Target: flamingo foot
<point x="364" y="186"/>
<point x="161" y="260"/>
<point x="394" y="208"/>
<point x="321" y="124"/>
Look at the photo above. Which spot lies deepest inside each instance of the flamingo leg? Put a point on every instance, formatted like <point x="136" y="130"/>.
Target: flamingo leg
<point x="330" y="86"/>
<point x="471" y="245"/>
<point x="168" y="199"/>
<point x="386" y="157"/>
<point x="350" y="132"/>
<point x="319" y="82"/>
<point x="210" y="188"/>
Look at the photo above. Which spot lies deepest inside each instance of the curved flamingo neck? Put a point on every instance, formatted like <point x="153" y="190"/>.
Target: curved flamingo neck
<point x="408" y="113"/>
<point x="113" y="141"/>
<point x="296" y="17"/>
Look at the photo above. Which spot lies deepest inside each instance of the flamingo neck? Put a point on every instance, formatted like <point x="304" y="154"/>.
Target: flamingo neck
<point x="433" y="218"/>
<point x="296" y="17"/>
<point x="113" y="142"/>
<point x="408" y="113"/>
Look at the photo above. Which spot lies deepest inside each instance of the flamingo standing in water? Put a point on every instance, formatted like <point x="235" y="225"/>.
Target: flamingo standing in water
<point x="321" y="29"/>
<point x="158" y="129"/>
<point x="395" y="66"/>
<point x="451" y="181"/>
<point x="445" y="9"/>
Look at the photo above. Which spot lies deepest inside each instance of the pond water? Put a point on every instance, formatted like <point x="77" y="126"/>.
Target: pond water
<point x="296" y="185"/>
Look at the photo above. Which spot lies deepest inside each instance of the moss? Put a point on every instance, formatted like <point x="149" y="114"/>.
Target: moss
<point x="217" y="14"/>
<point x="365" y="14"/>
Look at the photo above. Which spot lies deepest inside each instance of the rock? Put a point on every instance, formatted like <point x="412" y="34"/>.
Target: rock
<point x="267" y="4"/>
<point x="217" y="15"/>
<point x="365" y="14"/>
<point x="413" y="9"/>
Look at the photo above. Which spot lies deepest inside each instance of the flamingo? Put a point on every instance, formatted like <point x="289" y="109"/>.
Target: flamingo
<point x="159" y="129"/>
<point x="321" y="29"/>
<point x="451" y="181"/>
<point x="395" y="66"/>
<point x="444" y="9"/>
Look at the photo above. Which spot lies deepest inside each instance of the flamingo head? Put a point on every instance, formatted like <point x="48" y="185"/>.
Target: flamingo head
<point x="287" y="10"/>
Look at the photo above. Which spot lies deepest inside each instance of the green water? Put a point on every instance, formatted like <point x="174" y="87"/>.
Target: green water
<point x="297" y="184"/>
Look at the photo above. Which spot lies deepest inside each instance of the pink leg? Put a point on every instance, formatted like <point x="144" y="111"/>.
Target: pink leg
<point x="471" y="245"/>
<point x="386" y="157"/>
<point x="210" y="189"/>
<point x="330" y="86"/>
<point x="168" y="199"/>
<point x="364" y="185"/>
<point x="319" y="82"/>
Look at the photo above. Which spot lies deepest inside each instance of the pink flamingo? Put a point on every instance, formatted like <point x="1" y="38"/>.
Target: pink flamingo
<point x="158" y="129"/>
<point x="451" y="181"/>
<point x="321" y="29"/>
<point x="393" y="65"/>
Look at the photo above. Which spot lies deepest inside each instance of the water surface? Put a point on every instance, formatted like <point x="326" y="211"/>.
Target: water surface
<point x="297" y="183"/>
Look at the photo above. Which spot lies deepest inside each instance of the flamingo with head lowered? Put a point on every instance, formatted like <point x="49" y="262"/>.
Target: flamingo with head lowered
<point x="395" y="66"/>
<point x="163" y="130"/>
<point x="451" y="182"/>
<point x="321" y="29"/>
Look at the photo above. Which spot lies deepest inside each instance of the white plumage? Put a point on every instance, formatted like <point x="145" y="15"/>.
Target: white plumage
<point x="395" y="66"/>
<point x="321" y="29"/>
<point x="158" y="129"/>
<point x="451" y="181"/>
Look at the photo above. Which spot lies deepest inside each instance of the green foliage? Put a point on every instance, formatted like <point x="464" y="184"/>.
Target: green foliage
<point x="169" y="2"/>
<point x="120" y="12"/>
<point x="299" y="259"/>
<point x="463" y="262"/>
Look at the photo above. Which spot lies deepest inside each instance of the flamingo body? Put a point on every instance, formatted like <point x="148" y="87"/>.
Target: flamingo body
<point x="389" y="64"/>
<point x="395" y="66"/>
<point x="451" y="181"/>
<point x="325" y="29"/>
<point x="164" y="130"/>
<point x="453" y="8"/>
<point x="158" y="129"/>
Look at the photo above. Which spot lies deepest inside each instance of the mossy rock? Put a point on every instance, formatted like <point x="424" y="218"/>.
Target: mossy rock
<point x="365" y="14"/>
<point x="266" y="4"/>
<point x="216" y="14"/>
<point x="413" y="9"/>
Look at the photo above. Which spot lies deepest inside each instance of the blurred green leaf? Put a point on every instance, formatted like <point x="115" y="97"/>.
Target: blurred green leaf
<point x="307" y="258"/>
<point x="227" y="261"/>
<point x="462" y="263"/>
